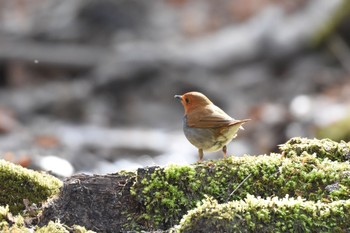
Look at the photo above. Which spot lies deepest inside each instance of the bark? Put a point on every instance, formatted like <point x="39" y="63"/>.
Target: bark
<point x="100" y="202"/>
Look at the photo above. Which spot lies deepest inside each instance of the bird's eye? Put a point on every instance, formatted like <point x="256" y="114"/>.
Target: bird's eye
<point x="187" y="100"/>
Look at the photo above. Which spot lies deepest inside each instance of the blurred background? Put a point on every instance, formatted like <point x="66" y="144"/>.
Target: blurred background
<point x="88" y="85"/>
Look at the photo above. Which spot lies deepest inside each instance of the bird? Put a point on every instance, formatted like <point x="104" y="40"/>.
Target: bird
<point x="205" y="125"/>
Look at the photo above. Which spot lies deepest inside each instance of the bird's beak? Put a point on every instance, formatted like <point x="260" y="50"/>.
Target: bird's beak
<point x="179" y="97"/>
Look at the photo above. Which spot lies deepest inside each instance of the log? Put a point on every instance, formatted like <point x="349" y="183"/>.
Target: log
<point x="75" y="56"/>
<point x="100" y="202"/>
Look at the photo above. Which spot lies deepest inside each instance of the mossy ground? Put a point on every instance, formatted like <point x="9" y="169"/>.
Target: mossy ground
<point x="19" y="223"/>
<point x="305" y="188"/>
<point x="303" y="169"/>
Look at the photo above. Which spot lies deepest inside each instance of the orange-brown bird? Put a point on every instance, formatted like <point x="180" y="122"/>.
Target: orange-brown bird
<point x="207" y="126"/>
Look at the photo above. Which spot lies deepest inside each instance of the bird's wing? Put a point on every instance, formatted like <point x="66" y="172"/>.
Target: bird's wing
<point x="216" y="122"/>
<point x="212" y="119"/>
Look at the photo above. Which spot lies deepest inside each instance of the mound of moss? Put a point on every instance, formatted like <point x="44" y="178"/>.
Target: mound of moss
<point x="11" y="224"/>
<point x="18" y="183"/>
<point x="323" y="148"/>
<point x="166" y="194"/>
<point x="267" y="215"/>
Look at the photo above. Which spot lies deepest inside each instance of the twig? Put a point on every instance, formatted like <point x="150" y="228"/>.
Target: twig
<point x="341" y="51"/>
<point x="240" y="184"/>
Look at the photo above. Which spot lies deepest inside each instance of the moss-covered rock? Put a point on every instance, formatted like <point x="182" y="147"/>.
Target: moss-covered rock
<point x="18" y="183"/>
<point x="323" y="148"/>
<point x="165" y="194"/>
<point x="267" y="215"/>
<point x="10" y="224"/>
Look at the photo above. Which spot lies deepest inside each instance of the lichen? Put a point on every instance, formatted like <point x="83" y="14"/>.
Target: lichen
<point x="18" y="183"/>
<point x="323" y="148"/>
<point x="255" y="214"/>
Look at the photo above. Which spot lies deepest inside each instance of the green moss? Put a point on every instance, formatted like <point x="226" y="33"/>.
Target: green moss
<point x="267" y="215"/>
<point x="10" y="223"/>
<point x="80" y="229"/>
<point x="57" y="227"/>
<point x="52" y="227"/>
<point x="18" y="183"/>
<point x="15" y="228"/>
<point x="3" y="212"/>
<point x="164" y="188"/>
<point x="324" y="148"/>
<point x="166" y="194"/>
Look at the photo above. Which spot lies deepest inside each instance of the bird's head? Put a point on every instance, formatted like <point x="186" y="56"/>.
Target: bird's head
<point x="192" y="100"/>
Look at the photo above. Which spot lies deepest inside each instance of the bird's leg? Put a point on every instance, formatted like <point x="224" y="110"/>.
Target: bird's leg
<point x="200" y="154"/>
<point x="224" y="150"/>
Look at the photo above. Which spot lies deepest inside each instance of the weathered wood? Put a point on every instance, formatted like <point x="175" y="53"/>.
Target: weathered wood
<point x="99" y="202"/>
<point x="57" y="54"/>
